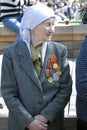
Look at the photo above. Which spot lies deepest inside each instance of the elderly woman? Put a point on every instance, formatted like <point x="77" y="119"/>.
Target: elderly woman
<point x="36" y="83"/>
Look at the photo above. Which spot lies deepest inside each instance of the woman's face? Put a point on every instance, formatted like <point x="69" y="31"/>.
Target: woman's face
<point x="43" y="32"/>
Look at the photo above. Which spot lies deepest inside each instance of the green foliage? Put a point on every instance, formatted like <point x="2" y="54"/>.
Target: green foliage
<point x="82" y="0"/>
<point x="76" y="0"/>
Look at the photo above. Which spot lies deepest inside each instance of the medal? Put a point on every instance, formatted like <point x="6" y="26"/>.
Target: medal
<point x="50" y="80"/>
<point x="55" y="77"/>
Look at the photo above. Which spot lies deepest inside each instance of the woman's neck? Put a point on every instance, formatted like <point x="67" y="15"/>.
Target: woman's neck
<point x="35" y="43"/>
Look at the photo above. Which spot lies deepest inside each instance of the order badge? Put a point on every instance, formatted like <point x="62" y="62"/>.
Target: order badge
<point x="50" y="80"/>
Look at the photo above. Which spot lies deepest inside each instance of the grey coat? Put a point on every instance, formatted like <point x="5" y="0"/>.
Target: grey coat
<point x="26" y="95"/>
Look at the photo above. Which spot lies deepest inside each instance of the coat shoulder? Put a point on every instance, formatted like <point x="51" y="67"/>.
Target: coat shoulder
<point x="57" y="44"/>
<point x="12" y="47"/>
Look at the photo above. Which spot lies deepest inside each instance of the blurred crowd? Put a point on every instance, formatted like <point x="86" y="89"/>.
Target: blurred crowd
<point x="70" y="9"/>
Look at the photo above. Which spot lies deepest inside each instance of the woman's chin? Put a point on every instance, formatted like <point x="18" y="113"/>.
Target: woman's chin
<point x="49" y="38"/>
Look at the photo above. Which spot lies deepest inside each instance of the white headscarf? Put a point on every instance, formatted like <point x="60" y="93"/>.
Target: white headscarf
<point x="32" y="17"/>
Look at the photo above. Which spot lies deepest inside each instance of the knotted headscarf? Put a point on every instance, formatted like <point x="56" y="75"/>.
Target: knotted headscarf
<point x="33" y="16"/>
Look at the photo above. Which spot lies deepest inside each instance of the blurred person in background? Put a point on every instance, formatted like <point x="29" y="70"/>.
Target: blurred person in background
<point x="81" y="13"/>
<point x="11" y="12"/>
<point x="84" y="18"/>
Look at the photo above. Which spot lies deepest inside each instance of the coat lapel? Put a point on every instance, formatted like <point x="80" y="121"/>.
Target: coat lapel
<point x="48" y="54"/>
<point x="26" y="63"/>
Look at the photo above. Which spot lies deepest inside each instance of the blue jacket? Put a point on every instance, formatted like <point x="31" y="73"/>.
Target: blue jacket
<point x="81" y="81"/>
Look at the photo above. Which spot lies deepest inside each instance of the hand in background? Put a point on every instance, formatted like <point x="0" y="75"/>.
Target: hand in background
<point x="32" y="2"/>
<point x="24" y="8"/>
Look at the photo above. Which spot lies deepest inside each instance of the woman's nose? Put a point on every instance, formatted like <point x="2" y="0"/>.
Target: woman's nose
<point x="51" y="29"/>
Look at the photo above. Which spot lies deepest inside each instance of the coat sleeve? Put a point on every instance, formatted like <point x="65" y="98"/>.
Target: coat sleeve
<point x="61" y="98"/>
<point x="10" y="92"/>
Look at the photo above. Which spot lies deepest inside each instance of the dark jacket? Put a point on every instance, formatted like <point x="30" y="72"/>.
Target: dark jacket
<point x="84" y="19"/>
<point x="81" y="82"/>
<point x="26" y="95"/>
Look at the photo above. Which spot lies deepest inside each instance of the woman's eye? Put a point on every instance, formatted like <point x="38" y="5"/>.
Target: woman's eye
<point x="48" y="24"/>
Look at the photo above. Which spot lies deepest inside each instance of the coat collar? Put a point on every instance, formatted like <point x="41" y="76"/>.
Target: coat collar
<point x="26" y="63"/>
